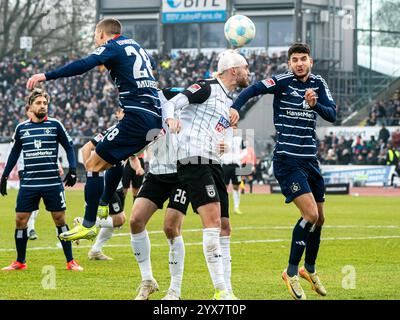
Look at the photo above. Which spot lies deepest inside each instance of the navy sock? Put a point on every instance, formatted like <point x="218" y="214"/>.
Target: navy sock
<point x="300" y="236"/>
<point x="21" y="239"/>
<point x="66" y="245"/>
<point x="93" y="189"/>
<point x="112" y="179"/>
<point x="312" y="249"/>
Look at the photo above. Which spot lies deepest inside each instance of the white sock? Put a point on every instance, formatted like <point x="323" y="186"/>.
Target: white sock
<point x="236" y="199"/>
<point x="226" y="260"/>
<point x="212" y="253"/>
<point x="104" y="223"/>
<point x="141" y="249"/>
<point x="32" y="219"/>
<point x="176" y="263"/>
<point x="105" y="234"/>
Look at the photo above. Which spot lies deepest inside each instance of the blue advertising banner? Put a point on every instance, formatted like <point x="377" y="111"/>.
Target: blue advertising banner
<point x="192" y="11"/>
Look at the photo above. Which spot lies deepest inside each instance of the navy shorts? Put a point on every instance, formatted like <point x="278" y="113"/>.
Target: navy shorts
<point x="299" y="176"/>
<point x="28" y="199"/>
<point x="131" y="135"/>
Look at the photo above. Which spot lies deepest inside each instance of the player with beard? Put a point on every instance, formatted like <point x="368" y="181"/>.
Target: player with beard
<point x="38" y="139"/>
<point x="299" y="96"/>
<point x="205" y="115"/>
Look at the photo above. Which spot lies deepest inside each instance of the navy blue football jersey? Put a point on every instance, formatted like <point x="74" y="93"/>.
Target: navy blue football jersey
<point x="131" y="69"/>
<point x="39" y="144"/>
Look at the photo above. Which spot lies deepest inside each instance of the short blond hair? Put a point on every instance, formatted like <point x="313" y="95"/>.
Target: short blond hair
<point x="110" y="26"/>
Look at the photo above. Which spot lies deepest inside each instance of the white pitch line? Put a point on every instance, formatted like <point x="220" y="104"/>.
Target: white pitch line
<point x="201" y="243"/>
<point x="273" y="228"/>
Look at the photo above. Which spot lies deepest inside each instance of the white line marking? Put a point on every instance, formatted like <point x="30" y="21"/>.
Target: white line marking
<point x="201" y="243"/>
<point x="273" y="228"/>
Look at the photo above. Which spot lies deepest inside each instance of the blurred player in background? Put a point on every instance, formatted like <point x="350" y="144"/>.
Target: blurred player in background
<point x="133" y="174"/>
<point x="38" y="139"/>
<point x="205" y="116"/>
<point x="231" y="164"/>
<point x="299" y="96"/>
<point x="131" y="70"/>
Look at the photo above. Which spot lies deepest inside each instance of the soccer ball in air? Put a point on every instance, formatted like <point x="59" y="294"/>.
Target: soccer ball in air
<point x="239" y="30"/>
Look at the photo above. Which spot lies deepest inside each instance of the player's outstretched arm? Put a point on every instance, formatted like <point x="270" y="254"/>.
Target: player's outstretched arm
<point x="260" y="87"/>
<point x="100" y="56"/>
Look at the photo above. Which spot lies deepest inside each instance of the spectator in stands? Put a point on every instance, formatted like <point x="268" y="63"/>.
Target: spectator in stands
<point x="371" y="158"/>
<point x="396" y="139"/>
<point x="384" y="134"/>
<point x="372" y="121"/>
<point x="381" y="114"/>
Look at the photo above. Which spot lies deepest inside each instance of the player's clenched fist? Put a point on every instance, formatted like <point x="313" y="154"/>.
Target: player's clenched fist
<point x="311" y="97"/>
<point x="34" y="80"/>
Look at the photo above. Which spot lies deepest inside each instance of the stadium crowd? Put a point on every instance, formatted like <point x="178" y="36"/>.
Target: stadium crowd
<point x="373" y="151"/>
<point x="84" y="104"/>
<point x="386" y="112"/>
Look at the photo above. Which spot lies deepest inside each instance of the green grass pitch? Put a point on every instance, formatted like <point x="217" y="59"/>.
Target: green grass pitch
<point x="359" y="258"/>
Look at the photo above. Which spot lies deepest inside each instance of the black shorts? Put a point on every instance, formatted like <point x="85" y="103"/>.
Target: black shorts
<point x="204" y="184"/>
<point x="230" y="174"/>
<point x="130" y="177"/>
<point x="117" y="202"/>
<point x="159" y="188"/>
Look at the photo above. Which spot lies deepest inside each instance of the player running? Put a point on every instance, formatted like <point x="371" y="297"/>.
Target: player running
<point x="205" y="116"/>
<point x="161" y="183"/>
<point x="299" y="96"/>
<point x="38" y="139"/>
<point x="131" y="69"/>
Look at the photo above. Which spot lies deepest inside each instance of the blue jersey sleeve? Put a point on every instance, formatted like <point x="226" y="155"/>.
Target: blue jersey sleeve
<point x="261" y="87"/>
<point x="65" y="140"/>
<point x="100" y="56"/>
<point x="14" y="155"/>
<point x="325" y="106"/>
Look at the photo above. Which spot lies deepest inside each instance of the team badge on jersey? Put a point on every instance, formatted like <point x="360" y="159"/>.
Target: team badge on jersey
<point x="269" y="82"/>
<point x="222" y="125"/>
<point x="99" y="50"/>
<point x="210" y="191"/>
<point x="295" y="187"/>
<point x="194" y="88"/>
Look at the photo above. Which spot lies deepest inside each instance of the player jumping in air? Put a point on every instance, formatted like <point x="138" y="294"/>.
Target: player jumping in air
<point x="130" y="68"/>
<point x="299" y="96"/>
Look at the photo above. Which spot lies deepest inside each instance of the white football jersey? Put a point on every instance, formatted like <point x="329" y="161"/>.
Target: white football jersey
<point x="164" y="150"/>
<point x="204" y="120"/>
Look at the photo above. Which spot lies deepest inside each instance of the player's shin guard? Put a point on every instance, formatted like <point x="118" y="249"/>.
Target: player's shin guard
<point x="112" y="178"/>
<point x="312" y="248"/>
<point x="226" y="260"/>
<point x="300" y="237"/>
<point x="176" y="263"/>
<point x="212" y="253"/>
<point x="21" y="239"/>
<point x="66" y="245"/>
<point x="141" y="249"/>
<point x="93" y="190"/>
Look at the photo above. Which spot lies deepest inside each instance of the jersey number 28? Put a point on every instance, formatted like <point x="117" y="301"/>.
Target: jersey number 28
<point x="138" y="65"/>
